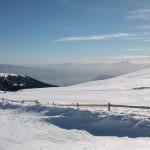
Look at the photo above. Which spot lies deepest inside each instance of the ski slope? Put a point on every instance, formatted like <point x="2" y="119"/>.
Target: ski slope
<point x="42" y="127"/>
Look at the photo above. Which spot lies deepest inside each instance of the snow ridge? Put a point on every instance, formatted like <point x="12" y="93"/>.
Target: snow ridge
<point x="9" y="74"/>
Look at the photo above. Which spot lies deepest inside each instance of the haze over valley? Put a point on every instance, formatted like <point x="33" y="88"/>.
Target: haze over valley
<point x="73" y="73"/>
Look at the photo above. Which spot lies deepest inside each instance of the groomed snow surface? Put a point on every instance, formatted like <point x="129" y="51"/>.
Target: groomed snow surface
<point x="43" y="127"/>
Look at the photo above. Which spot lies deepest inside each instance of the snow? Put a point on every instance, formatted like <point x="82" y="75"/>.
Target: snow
<point x="8" y="74"/>
<point x="34" y="128"/>
<point x="43" y="127"/>
<point x="133" y="88"/>
<point x="124" y="82"/>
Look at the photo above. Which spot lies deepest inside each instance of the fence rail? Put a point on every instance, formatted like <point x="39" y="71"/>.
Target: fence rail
<point x="108" y="105"/>
<point x="130" y="106"/>
<point x="77" y="105"/>
<point x="22" y="101"/>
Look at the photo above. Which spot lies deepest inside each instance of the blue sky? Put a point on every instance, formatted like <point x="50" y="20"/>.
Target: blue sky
<point x="86" y="31"/>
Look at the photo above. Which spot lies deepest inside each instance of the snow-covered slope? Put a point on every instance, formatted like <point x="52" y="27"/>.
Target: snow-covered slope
<point x="43" y="127"/>
<point x="133" y="88"/>
<point x="139" y="79"/>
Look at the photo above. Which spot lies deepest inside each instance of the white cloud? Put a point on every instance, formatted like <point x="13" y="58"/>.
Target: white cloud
<point x="140" y="36"/>
<point x="143" y="14"/>
<point x="97" y="37"/>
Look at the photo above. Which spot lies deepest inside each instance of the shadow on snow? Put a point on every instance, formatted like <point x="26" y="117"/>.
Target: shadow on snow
<point x="96" y="123"/>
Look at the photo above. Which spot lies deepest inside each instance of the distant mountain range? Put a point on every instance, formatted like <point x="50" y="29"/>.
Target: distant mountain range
<point x="14" y="82"/>
<point x="74" y="73"/>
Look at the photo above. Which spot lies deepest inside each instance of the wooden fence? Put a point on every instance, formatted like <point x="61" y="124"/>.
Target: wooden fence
<point x="3" y="100"/>
<point x="77" y="105"/>
<point x="108" y="106"/>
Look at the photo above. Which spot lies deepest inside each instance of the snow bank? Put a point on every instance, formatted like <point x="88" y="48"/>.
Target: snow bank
<point x="96" y="123"/>
<point x="27" y="131"/>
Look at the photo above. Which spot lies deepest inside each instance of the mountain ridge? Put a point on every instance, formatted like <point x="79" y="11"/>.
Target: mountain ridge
<point x="15" y="82"/>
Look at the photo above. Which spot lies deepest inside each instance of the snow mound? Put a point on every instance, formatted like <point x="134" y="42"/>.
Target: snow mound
<point x="96" y="123"/>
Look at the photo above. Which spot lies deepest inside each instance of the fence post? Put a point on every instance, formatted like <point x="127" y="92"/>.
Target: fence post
<point x="37" y="102"/>
<point x="2" y="100"/>
<point x="108" y="106"/>
<point x="77" y="105"/>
